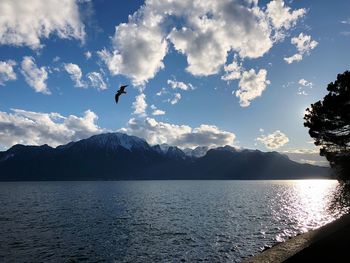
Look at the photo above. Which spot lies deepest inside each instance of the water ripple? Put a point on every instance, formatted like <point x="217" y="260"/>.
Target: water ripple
<point x="157" y="221"/>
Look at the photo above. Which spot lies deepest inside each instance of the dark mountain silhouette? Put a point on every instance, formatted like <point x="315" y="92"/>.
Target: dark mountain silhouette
<point x="117" y="156"/>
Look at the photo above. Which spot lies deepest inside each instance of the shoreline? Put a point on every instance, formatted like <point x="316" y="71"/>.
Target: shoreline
<point x="328" y="243"/>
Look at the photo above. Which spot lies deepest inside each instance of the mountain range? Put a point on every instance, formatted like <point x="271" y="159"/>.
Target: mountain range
<point x="117" y="156"/>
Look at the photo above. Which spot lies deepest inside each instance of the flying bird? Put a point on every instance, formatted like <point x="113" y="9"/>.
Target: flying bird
<point x="120" y="92"/>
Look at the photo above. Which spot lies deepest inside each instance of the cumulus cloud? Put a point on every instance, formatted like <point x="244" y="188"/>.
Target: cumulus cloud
<point x="75" y="74"/>
<point x="215" y="28"/>
<point x="35" y="77"/>
<point x="6" y="71"/>
<point x="139" y="48"/>
<point x="304" y="45"/>
<point x="25" y="23"/>
<point x="251" y="85"/>
<point x="282" y="16"/>
<point x="37" y="128"/>
<point x="182" y="136"/>
<point x="274" y="140"/>
<point x="232" y="71"/>
<point x="175" y="99"/>
<point x="205" y="32"/>
<point x="96" y="80"/>
<point x="156" y="111"/>
<point x="140" y="105"/>
<point x="179" y="85"/>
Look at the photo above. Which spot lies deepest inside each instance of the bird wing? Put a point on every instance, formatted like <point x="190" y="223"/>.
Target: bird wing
<point x="122" y="88"/>
<point x="116" y="97"/>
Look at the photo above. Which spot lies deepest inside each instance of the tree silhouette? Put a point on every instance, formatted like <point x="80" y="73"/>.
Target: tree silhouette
<point x="329" y="124"/>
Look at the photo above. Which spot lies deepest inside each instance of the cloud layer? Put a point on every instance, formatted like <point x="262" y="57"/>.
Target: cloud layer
<point x="182" y="136"/>
<point x="25" y="23"/>
<point x="205" y="32"/>
<point x="36" y="128"/>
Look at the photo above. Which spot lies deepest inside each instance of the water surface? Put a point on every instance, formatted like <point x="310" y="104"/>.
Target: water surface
<point x="150" y="221"/>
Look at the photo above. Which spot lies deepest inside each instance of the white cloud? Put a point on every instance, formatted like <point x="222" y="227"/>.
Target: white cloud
<point x="310" y="156"/>
<point x="206" y="33"/>
<point x="175" y="99"/>
<point x="25" y="23"/>
<point x="139" y="48"/>
<point x="34" y="76"/>
<point x="302" y="92"/>
<point x="37" y="128"/>
<point x="140" y="105"/>
<point x="251" y="86"/>
<point x="295" y="57"/>
<point x="232" y="71"/>
<point x="304" y="45"/>
<point x="274" y="140"/>
<point x="75" y="74"/>
<point x="161" y="92"/>
<point x="96" y="80"/>
<point x="282" y="16"/>
<point x="88" y="55"/>
<point x="179" y="85"/>
<point x="303" y="85"/>
<point x="180" y="135"/>
<point x="56" y="59"/>
<point x="6" y="71"/>
<point x="347" y="21"/>
<point x="215" y="28"/>
<point x="156" y="111"/>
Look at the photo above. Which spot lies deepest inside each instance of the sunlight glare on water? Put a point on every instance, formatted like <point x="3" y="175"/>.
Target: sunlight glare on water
<point x="158" y="221"/>
<point x="305" y="203"/>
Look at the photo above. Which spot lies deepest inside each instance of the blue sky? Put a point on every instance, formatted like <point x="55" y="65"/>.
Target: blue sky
<point x="245" y="70"/>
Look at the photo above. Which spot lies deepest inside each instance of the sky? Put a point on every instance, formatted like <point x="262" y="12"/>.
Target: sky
<point x="212" y="73"/>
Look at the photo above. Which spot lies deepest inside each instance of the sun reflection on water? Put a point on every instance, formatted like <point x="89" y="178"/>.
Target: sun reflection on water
<point x="306" y="205"/>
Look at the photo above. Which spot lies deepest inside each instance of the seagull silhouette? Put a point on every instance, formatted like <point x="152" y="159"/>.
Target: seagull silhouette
<point x="120" y="92"/>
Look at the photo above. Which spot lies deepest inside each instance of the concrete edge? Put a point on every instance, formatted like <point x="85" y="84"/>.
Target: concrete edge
<point x="283" y="251"/>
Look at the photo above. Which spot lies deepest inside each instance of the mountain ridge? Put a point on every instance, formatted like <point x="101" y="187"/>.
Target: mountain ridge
<point x="118" y="156"/>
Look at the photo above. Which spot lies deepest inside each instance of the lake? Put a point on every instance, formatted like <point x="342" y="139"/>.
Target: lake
<point x="157" y="221"/>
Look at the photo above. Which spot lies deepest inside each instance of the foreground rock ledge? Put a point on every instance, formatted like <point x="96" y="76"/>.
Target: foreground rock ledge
<point x="329" y="243"/>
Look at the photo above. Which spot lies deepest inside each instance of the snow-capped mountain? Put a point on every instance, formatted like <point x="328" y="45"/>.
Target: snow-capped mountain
<point x="111" y="141"/>
<point x="197" y="152"/>
<point x="171" y="151"/>
<point x="117" y="156"/>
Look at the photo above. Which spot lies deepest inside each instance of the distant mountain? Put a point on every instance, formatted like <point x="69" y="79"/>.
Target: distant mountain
<point x="117" y="156"/>
<point x="197" y="152"/>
